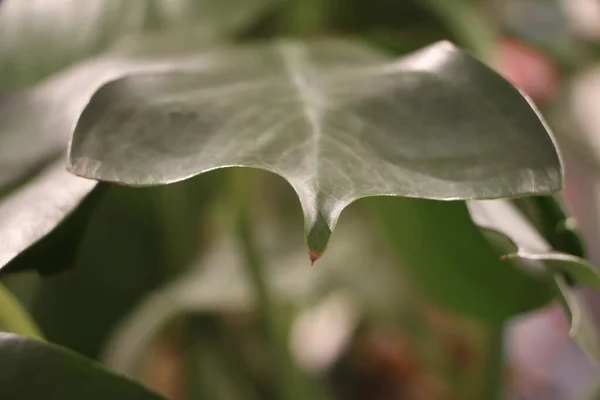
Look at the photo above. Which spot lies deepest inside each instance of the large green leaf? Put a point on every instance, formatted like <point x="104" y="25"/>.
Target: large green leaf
<point x="510" y="231"/>
<point x="32" y="370"/>
<point x="337" y="120"/>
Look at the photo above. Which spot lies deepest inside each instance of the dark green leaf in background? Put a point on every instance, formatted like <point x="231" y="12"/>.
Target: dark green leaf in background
<point x="451" y="262"/>
<point x="34" y="370"/>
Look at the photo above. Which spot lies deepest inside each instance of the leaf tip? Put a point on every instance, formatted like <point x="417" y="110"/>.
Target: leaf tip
<point x="314" y="256"/>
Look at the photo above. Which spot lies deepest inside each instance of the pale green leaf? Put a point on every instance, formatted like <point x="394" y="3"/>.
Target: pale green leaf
<point x="508" y="229"/>
<point x="514" y="234"/>
<point x="14" y="317"/>
<point x="337" y="120"/>
<point x="34" y="210"/>
<point x="577" y="268"/>
<point x="583" y="330"/>
<point x="40" y="37"/>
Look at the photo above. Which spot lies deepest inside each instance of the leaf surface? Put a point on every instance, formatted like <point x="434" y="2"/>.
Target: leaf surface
<point x="32" y="370"/>
<point x="337" y="120"/>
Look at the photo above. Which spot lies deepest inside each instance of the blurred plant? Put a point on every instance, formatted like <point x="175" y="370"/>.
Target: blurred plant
<point x="155" y="92"/>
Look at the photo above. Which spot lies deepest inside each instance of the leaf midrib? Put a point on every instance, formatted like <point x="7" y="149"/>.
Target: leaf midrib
<point x="311" y="100"/>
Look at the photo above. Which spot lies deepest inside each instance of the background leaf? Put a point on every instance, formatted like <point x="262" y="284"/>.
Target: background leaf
<point x="33" y="211"/>
<point x="30" y="369"/>
<point x="40" y="37"/>
<point x="35" y="127"/>
<point x="523" y="242"/>
<point x="452" y="263"/>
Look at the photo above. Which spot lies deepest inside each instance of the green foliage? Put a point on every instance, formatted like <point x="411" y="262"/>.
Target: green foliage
<point x="461" y="272"/>
<point x="31" y="369"/>
<point x="150" y="93"/>
<point x="523" y="242"/>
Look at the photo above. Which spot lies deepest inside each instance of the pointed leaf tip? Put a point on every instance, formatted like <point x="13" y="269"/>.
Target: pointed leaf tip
<point x="314" y="256"/>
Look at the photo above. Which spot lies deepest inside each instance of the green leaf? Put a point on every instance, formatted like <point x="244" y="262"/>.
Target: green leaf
<point x="583" y="330"/>
<point x="36" y="40"/>
<point x="337" y="120"/>
<point x="39" y="39"/>
<point x="14" y="317"/>
<point x="550" y="218"/>
<point x="32" y="370"/>
<point x="215" y="18"/>
<point x="37" y="209"/>
<point x="452" y="264"/>
<point x="510" y="230"/>
<point x="577" y="269"/>
<point x="522" y="241"/>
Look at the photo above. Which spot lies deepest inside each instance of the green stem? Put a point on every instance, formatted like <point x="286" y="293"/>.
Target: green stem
<point x="469" y="25"/>
<point x="494" y="372"/>
<point x="15" y="318"/>
<point x="291" y="385"/>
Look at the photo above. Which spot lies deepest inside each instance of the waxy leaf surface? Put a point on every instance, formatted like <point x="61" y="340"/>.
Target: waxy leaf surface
<point x="337" y="120"/>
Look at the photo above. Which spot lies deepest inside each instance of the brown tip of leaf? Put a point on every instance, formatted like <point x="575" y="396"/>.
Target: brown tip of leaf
<point x="314" y="256"/>
<point x="505" y="257"/>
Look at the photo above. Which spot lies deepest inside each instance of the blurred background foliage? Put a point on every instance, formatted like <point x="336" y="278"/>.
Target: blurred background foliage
<point x="157" y="290"/>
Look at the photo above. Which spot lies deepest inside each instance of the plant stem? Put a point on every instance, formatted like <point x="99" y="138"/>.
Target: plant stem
<point x="291" y="385"/>
<point x="494" y="366"/>
<point x="15" y="318"/>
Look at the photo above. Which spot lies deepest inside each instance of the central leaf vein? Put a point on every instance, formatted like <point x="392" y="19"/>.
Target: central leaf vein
<point x="303" y="77"/>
